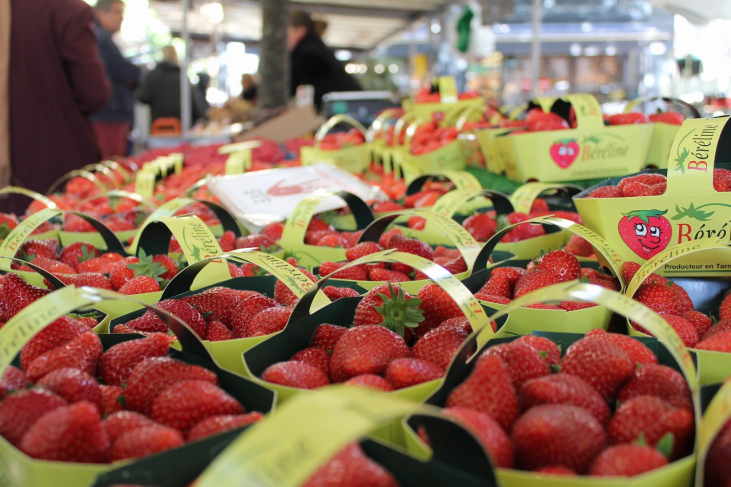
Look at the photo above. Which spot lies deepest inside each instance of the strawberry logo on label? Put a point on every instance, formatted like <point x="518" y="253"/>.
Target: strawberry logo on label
<point x="564" y="152"/>
<point x="646" y="232"/>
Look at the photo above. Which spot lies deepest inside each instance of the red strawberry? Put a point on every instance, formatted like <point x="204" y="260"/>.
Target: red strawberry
<point x="145" y="441"/>
<point x="268" y="321"/>
<point x="139" y="285"/>
<point x="283" y="295"/>
<point x="684" y="329"/>
<point x="548" y="350"/>
<point x="579" y="246"/>
<point x="652" y="418"/>
<point x="237" y="271"/>
<point x="724" y="311"/>
<point x="564" y="389"/>
<point x="97" y="265"/>
<point x="20" y="410"/>
<point x="357" y="273"/>
<point x="411" y="246"/>
<point x="605" y="192"/>
<point x="334" y="240"/>
<point x="227" y="241"/>
<point x="53" y="266"/>
<point x="83" y="353"/>
<point x="361" y="250"/>
<point x="186" y="313"/>
<point x="386" y="275"/>
<point x="390" y="307"/>
<point x="636" y="189"/>
<point x="219" y="424"/>
<point x="407" y="372"/>
<point x="513" y="274"/>
<point x="497" y="285"/>
<point x="259" y="242"/>
<point x="441" y="344"/>
<point x="719" y="327"/>
<point x="295" y="374"/>
<point x="248" y="308"/>
<point x="169" y="265"/>
<point x="186" y="403"/>
<point x="220" y="301"/>
<point x="491" y="298"/>
<point x="335" y="293"/>
<point x="659" y="381"/>
<point x="490" y="435"/>
<point x="488" y="389"/>
<point x="481" y="226"/>
<point x="555" y="470"/>
<point x="564" y="265"/>
<point x="273" y="230"/>
<point x="522" y="232"/>
<point x="326" y="336"/>
<point x="534" y="280"/>
<point x="718" y="342"/>
<point x="370" y="380"/>
<point x="73" y="385"/>
<point x="366" y="349"/>
<point x="121" y="273"/>
<point x="575" y="305"/>
<point x="78" y="252"/>
<point x="701" y="322"/>
<point x="627" y="461"/>
<point x="648" y="179"/>
<point x="68" y="434"/>
<point x="58" y="333"/>
<point x="148" y="322"/>
<point x="351" y="468"/>
<point x="11" y="380"/>
<point x="314" y="356"/>
<point x="629" y="269"/>
<point x="717" y="467"/>
<point x="218" y="332"/>
<point x="153" y="375"/>
<point x="121" y="422"/>
<point x="660" y="298"/>
<point x="90" y="279"/>
<point x="19" y="294"/>
<point x="112" y="399"/>
<point x="522" y="361"/>
<point x="437" y="306"/>
<point x="637" y="352"/>
<point x="557" y="434"/>
<point x="119" y="360"/>
<point x="601" y="363"/>
<point x="47" y="248"/>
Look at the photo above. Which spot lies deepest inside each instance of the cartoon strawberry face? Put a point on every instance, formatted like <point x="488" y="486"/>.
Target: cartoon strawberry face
<point x="564" y="152"/>
<point x="646" y="232"/>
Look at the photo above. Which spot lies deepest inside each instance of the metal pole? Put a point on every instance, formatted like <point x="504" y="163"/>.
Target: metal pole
<point x="535" y="48"/>
<point x="185" y="106"/>
<point x="274" y="64"/>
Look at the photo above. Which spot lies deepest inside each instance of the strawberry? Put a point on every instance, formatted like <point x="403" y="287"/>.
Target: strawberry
<point x="652" y="418"/>
<point x="227" y="241"/>
<point x="314" y="356"/>
<point x="701" y="322"/>
<point x="284" y="296"/>
<point x="575" y="305"/>
<point x="684" y="329"/>
<point x="411" y="246"/>
<point x="372" y="381"/>
<point x="481" y="226"/>
<point x="186" y="313"/>
<point x="7" y="223"/>
<point x="564" y="389"/>
<point x="579" y="246"/>
<point x="47" y="248"/>
<point x="357" y="273"/>
<point x="188" y="402"/>
<point x="660" y="298"/>
<point x="441" y="344"/>
<point x="722" y="180"/>
<point x="326" y="336"/>
<point x="119" y="360"/>
<point x="268" y="321"/>
<point x="218" y="332"/>
<point x="53" y="266"/>
<point x="719" y="327"/>
<point x="611" y="284"/>
<point x="717" y="467"/>
<point x="334" y="293"/>
<point x="549" y="351"/>
<point x="490" y="435"/>
<point x="636" y="189"/>
<point x="153" y="375"/>
<point x="719" y="342"/>
<point x="366" y="349"/>
<point x="246" y="310"/>
<point x="521" y="232"/>
<point x="497" y="285"/>
<point x="58" y="333"/>
<point x="627" y="461"/>
<point x="18" y="294"/>
<point x="389" y="307"/>
<point x="437" y="306"/>
<point x="534" y="280"/>
<point x="148" y="322"/>
<point x="648" y="179"/>
<point x="11" y="380"/>
<point x="218" y="300"/>
<point x="139" y="285"/>
<point x="601" y="363"/>
<point x="488" y="389"/>
<point x="555" y="470"/>
<point x="169" y="265"/>
<point x="386" y="275"/>
<point x="333" y="240"/>
<point x="218" y="424"/>
<point x="557" y="434"/>
<point x="407" y="372"/>
<point x="351" y="468"/>
<point x="73" y="385"/>
<point x="78" y="252"/>
<point x="131" y="267"/>
<point x="120" y="273"/>
<point x="295" y="374"/>
<point x="491" y="298"/>
<point x="112" y="399"/>
<point x="83" y="353"/>
<point x="637" y="352"/>
<point x="273" y="230"/>
<point x="258" y="242"/>
<point x="659" y="381"/>
<point x="97" y="265"/>
<point x="145" y="441"/>
<point x="237" y="271"/>
<point x="69" y="434"/>
<point x="121" y="422"/>
<point x="522" y="361"/>
<point x="629" y="269"/>
<point x="21" y="409"/>
<point x="361" y="250"/>
<point x="90" y="279"/>
<point x="564" y="265"/>
<point x="724" y="311"/>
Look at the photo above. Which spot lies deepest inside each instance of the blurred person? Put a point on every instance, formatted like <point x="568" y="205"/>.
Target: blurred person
<point x="248" y="88"/>
<point x="113" y="123"/>
<point x="320" y="27"/>
<point x="312" y="63"/>
<point x="204" y="81"/>
<point x="161" y="89"/>
<point x="51" y="81"/>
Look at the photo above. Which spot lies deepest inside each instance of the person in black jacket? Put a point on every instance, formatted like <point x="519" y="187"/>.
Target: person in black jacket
<point x="312" y="63"/>
<point x="161" y="89"/>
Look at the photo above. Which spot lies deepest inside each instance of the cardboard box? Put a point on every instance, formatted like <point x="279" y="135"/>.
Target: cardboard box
<point x="295" y="122"/>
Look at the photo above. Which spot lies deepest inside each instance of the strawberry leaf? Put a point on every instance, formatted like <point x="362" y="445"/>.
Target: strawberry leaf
<point x="665" y="445"/>
<point x="4" y="230"/>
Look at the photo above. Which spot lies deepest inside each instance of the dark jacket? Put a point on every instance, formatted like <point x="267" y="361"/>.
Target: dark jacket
<point x="161" y="90"/>
<point x="312" y="63"/>
<point x="56" y="82"/>
<point x="124" y="77"/>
